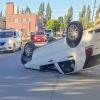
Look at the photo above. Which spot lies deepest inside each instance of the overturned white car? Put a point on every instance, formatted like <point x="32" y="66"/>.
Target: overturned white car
<point x="77" y="51"/>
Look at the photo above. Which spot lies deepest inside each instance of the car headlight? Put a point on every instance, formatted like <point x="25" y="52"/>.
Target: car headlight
<point x="10" y="42"/>
<point x="35" y="38"/>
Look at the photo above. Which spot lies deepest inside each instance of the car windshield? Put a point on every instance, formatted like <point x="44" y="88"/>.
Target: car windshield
<point x="39" y="33"/>
<point x="6" y="34"/>
<point x="48" y="31"/>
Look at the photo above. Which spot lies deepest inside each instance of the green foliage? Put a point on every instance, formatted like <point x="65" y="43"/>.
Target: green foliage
<point x="60" y="19"/>
<point x="27" y="10"/>
<point x="48" y="13"/>
<point x="82" y="14"/>
<point x="23" y="11"/>
<point x="68" y="17"/>
<point x="1" y="19"/>
<point x="1" y="15"/>
<point x="84" y="17"/>
<point x="97" y="12"/>
<point x="53" y="24"/>
<point x="41" y="9"/>
<point x="88" y="13"/>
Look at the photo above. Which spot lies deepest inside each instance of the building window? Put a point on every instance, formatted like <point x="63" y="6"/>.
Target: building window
<point x="23" y="20"/>
<point x="9" y="19"/>
<point x="28" y="19"/>
<point x="15" y="20"/>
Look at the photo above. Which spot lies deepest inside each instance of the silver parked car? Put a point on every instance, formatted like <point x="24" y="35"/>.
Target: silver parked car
<point x="10" y="40"/>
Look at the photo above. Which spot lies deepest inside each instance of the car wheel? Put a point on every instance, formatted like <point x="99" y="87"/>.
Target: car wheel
<point x="29" y="49"/>
<point x="22" y="60"/>
<point x="74" y="33"/>
<point x="13" y="49"/>
<point x="20" y="48"/>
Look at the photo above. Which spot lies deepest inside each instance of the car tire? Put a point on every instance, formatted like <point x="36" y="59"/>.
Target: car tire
<point x="74" y="34"/>
<point x="20" y="48"/>
<point x="22" y="60"/>
<point x="29" y="49"/>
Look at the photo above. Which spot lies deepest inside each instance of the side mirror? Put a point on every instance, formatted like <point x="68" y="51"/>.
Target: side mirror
<point x="15" y="36"/>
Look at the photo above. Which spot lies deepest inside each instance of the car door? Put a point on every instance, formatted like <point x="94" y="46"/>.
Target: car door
<point x="15" y="39"/>
<point x="43" y="56"/>
<point x="96" y="42"/>
<point x="18" y="39"/>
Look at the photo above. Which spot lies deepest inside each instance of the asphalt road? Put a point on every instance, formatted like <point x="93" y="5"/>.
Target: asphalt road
<point x="18" y="83"/>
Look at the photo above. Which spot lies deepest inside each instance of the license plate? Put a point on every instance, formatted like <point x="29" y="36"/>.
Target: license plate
<point x="38" y="39"/>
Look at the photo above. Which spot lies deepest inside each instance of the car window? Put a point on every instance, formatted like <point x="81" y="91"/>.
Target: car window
<point x="15" y="35"/>
<point x="97" y="31"/>
<point x="39" y="33"/>
<point x="48" y="31"/>
<point x="6" y="34"/>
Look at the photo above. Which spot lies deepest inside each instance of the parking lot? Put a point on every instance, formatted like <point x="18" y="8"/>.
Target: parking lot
<point x="19" y="83"/>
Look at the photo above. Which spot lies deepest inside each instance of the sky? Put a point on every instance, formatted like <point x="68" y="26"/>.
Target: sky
<point x="58" y="7"/>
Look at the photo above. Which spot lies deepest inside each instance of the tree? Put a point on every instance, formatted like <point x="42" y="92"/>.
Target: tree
<point x="68" y="17"/>
<point x="82" y="14"/>
<point x="88" y="13"/>
<point x="53" y="24"/>
<point x="60" y="19"/>
<point x="84" y="17"/>
<point x="1" y="18"/>
<point x="1" y="15"/>
<point x="23" y="11"/>
<point x="87" y="24"/>
<point x="41" y="9"/>
<point x="65" y="23"/>
<point x="27" y="10"/>
<point x="48" y="13"/>
<point x="97" y="12"/>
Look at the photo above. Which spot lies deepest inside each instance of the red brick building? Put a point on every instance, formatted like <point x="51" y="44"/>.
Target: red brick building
<point x="27" y="22"/>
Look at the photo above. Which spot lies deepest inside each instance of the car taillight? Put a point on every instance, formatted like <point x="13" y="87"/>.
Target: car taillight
<point x="90" y="32"/>
<point x="35" y="37"/>
<point x="89" y="51"/>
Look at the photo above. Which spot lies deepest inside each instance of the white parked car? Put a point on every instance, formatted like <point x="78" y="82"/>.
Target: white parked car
<point x="49" y="33"/>
<point x="10" y="40"/>
<point x="64" y="34"/>
<point x="77" y="51"/>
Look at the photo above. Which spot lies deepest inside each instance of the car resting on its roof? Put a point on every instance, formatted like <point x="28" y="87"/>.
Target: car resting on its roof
<point x="78" y="50"/>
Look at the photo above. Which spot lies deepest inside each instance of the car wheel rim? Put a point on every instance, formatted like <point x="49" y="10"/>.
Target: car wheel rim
<point x="73" y="32"/>
<point x="28" y="50"/>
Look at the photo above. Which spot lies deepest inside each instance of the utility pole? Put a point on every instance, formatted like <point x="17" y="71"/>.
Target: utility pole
<point x="21" y="21"/>
<point x="94" y="10"/>
<point x="28" y="12"/>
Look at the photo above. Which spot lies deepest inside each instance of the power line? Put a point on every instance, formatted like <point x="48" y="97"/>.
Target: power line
<point x="64" y="12"/>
